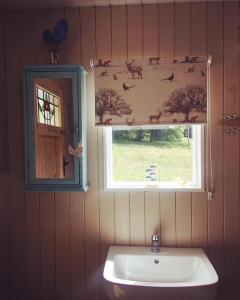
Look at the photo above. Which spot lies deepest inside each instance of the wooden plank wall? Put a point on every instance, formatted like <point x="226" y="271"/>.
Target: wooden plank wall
<point x="4" y="169"/>
<point x="59" y="241"/>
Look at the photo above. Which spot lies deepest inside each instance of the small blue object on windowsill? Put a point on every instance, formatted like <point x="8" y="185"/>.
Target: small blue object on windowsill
<point x="151" y="173"/>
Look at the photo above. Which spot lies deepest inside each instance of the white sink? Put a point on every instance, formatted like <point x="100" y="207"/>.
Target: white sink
<point x="136" y="272"/>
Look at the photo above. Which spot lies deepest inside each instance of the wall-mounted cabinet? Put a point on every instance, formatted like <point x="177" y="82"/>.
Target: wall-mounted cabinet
<point x="55" y="127"/>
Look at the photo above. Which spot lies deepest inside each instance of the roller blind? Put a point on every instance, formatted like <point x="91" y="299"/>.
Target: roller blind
<point x="151" y="91"/>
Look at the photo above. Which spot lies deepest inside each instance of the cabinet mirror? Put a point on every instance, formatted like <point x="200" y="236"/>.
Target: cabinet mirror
<point x="55" y="127"/>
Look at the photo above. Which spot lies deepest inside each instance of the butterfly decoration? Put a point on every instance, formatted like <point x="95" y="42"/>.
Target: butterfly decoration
<point x="77" y="152"/>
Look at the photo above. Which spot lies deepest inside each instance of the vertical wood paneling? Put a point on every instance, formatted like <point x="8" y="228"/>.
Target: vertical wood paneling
<point x="42" y="22"/>
<point x="33" y="263"/>
<point x="106" y="223"/>
<point x="199" y="219"/>
<point x="231" y="145"/>
<point x="134" y="31"/>
<point x="137" y="222"/>
<point x="215" y="207"/>
<point x="48" y="245"/>
<point x="88" y="40"/>
<point x="13" y="89"/>
<point x="62" y="240"/>
<point x="3" y="105"/>
<point x="27" y="33"/>
<point x="152" y="216"/>
<point x="122" y="221"/>
<point x="119" y="31"/>
<point x="198" y="29"/>
<point x="4" y="182"/>
<point x="73" y="47"/>
<point x="182" y="29"/>
<point x="199" y="47"/>
<point x="166" y="29"/>
<point x="150" y="30"/>
<point x="183" y="219"/>
<point x="103" y="32"/>
<point x="77" y="261"/>
<point x="168" y="218"/>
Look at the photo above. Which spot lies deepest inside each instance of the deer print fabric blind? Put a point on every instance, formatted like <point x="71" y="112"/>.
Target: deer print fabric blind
<point x="151" y="91"/>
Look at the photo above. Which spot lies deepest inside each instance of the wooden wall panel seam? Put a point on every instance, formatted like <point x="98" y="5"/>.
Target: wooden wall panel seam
<point x="231" y="144"/>
<point x="111" y="34"/>
<point x="174" y="28"/>
<point x="5" y="225"/>
<point x="84" y="253"/>
<point x="15" y="166"/>
<point x="127" y="30"/>
<point x="69" y="248"/>
<point x="55" y="249"/>
<point x="215" y="208"/>
<point x="99" y="224"/>
<point x="158" y="30"/>
<point x="190" y="28"/>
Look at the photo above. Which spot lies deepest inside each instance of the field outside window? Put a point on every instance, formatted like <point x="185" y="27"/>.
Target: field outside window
<point x="164" y="157"/>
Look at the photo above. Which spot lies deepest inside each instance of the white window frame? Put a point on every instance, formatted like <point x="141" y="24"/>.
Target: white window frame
<point x="197" y="185"/>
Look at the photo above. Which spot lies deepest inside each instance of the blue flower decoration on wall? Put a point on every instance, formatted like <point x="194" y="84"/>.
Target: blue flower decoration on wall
<point x="55" y="38"/>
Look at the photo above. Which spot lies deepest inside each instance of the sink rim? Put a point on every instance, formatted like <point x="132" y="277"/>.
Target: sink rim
<point x="109" y="275"/>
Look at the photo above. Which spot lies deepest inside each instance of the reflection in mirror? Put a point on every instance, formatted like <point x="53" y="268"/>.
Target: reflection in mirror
<point x="53" y="127"/>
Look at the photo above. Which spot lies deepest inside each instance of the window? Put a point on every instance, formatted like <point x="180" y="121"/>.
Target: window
<point x="48" y="107"/>
<point x="160" y="157"/>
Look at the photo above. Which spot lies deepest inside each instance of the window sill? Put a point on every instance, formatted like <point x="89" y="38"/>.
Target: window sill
<point x="152" y="188"/>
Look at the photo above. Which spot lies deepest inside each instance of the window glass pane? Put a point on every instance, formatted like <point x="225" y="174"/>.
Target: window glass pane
<point x="57" y="119"/>
<point x="148" y="155"/>
<point x="49" y="110"/>
<point x="40" y="93"/>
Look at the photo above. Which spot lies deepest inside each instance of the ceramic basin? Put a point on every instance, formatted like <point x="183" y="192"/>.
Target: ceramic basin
<point x="137" y="273"/>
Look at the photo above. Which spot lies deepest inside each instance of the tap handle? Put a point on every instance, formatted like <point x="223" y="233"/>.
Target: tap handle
<point x="155" y="237"/>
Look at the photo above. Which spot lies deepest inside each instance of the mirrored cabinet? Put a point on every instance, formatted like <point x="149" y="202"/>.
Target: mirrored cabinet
<point x="55" y="127"/>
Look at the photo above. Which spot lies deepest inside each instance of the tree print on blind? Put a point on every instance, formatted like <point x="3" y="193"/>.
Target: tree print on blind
<point x="186" y="100"/>
<point x="151" y="91"/>
<point x="108" y="101"/>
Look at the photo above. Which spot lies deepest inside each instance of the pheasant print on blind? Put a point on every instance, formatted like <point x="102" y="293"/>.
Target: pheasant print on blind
<point x="151" y="91"/>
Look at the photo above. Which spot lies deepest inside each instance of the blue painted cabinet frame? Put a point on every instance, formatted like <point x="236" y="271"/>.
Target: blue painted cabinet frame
<point x="78" y="75"/>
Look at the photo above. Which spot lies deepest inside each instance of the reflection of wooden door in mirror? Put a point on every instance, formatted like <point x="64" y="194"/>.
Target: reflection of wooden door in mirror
<point x="53" y="127"/>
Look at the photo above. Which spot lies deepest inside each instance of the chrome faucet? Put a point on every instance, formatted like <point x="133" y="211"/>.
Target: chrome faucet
<point x="155" y="243"/>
